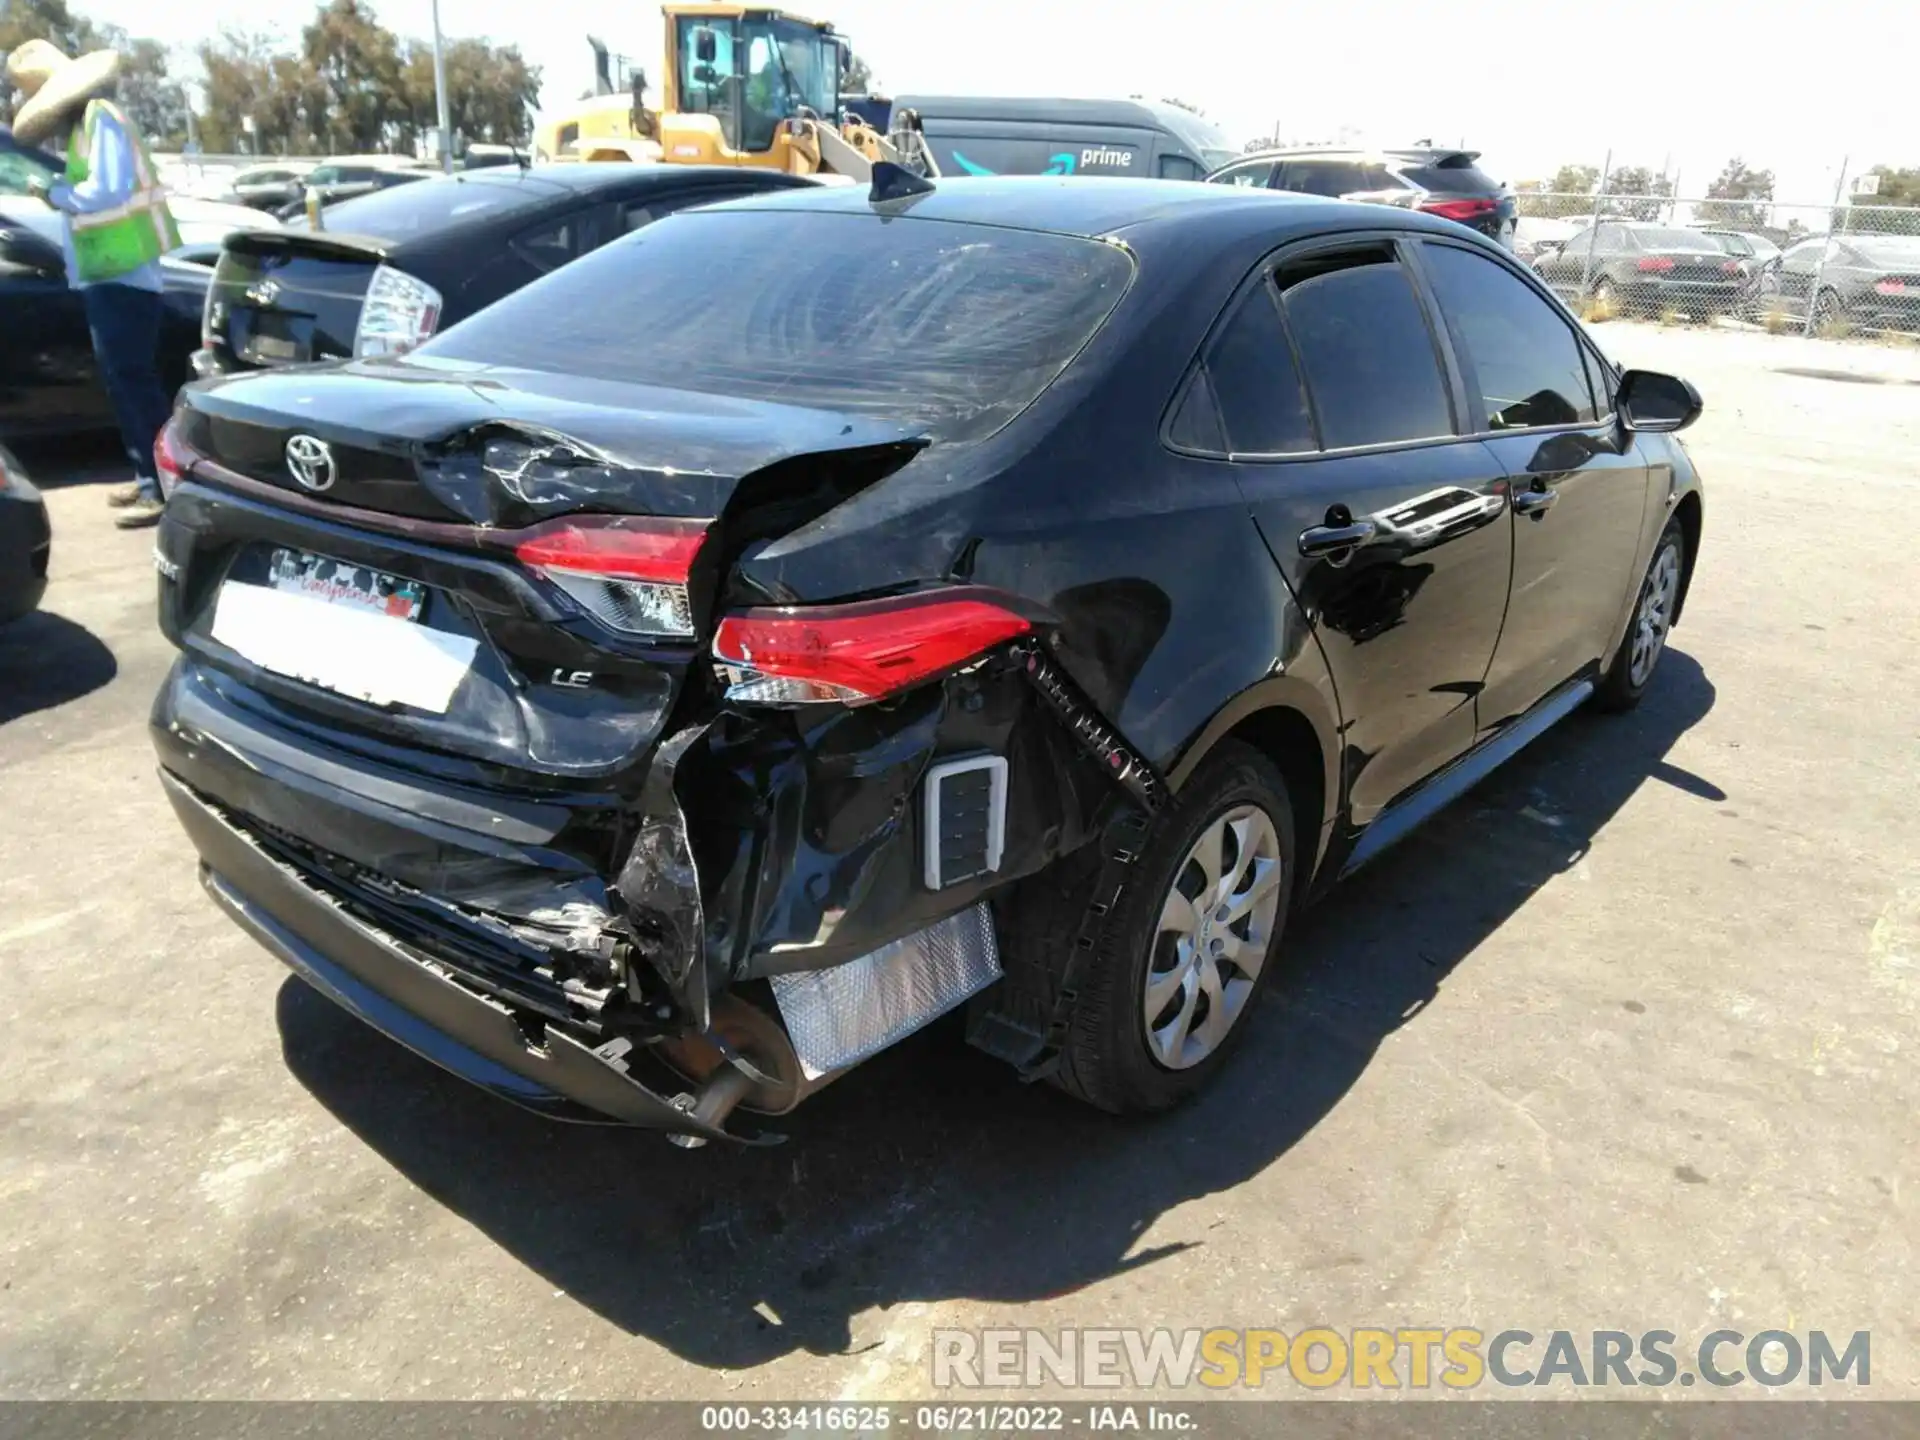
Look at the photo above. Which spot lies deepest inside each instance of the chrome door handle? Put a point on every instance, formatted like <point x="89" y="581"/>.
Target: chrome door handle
<point x="1325" y="540"/>
<point x="1534" y="503"/>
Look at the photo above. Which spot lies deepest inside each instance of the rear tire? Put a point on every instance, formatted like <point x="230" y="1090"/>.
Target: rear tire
<point x="1645" y="642"/>
<point x="1190" y="947"/>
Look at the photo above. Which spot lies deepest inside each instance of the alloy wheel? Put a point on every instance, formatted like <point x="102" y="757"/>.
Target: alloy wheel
<point x="1654" y="614"/>
<point x="1215" y="927"/>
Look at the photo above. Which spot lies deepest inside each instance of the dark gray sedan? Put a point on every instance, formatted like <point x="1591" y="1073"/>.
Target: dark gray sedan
<point x="1871" y="282"/>
<point x="1636" y="268"/>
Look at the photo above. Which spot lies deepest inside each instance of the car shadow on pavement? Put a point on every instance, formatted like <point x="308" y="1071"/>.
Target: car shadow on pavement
<point x="47" y="660"/>
<point x="930" y="1173"/>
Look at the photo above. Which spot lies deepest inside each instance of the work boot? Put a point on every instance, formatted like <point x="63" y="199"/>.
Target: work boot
<point x="145" y="510"/>
<point x="122" y="496"/>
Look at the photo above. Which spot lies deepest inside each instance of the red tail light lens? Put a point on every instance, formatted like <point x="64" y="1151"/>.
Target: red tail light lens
<point x="172" y="457"/>
<point x="1897" y="285"/>
<point x="1461" y="209"/>
<point x="1730" y="267"/>
<point x="628" y="571"/>
<point x="852" y="654"/>
<point x="1656" y="262"/>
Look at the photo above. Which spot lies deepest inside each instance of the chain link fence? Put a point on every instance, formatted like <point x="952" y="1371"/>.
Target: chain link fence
<point x="1850" y="269"/>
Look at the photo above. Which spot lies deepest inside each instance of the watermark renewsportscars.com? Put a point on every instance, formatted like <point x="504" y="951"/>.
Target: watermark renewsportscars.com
<point x="1460" y="1358"/>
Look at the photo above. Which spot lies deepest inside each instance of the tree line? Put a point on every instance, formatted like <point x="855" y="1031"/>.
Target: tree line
<point x="346" y="85"/>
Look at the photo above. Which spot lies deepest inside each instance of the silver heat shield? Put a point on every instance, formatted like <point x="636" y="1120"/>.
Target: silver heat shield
<point x="843" y="1014"/>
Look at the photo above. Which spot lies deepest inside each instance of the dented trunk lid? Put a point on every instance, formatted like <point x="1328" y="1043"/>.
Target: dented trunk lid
<point x="450" y="440"/>
<point x="434" y="470"/>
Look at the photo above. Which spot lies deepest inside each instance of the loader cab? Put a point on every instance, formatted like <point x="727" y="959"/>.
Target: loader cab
<point x="746" y="71"/>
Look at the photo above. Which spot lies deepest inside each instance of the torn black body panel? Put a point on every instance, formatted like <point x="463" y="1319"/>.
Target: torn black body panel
<point x="659" y="890"/>
<point x="810" y="829"/>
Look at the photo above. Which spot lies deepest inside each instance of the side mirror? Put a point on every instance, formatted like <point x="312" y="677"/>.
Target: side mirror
<point x="1657" y="404"/>
<point x="706" y="46"/>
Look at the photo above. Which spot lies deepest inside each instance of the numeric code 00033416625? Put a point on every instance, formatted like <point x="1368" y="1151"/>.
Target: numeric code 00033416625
<point x="781" y="1419"/>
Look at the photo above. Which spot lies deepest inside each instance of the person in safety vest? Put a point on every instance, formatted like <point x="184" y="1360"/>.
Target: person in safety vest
<point x="117" y="228"/>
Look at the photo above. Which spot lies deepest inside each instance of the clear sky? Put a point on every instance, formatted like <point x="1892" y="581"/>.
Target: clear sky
<point x="1530" y="83"/>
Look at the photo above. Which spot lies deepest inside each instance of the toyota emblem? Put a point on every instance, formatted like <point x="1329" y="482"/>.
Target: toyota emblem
<point x="264" y="292"/>
<point x="310" y="461"/>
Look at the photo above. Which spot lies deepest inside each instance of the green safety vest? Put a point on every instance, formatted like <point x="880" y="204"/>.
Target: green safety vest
<point x="110" y="243"/>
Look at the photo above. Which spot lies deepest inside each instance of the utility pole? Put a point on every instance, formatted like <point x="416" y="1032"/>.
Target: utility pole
<point x="1826" y="249"/>
<point x="440" y="95"/>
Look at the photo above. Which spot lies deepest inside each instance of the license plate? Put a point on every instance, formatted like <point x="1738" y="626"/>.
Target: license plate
<point x="355" y="586"/>
<point x="345" y="628"/>
<point x="271" y="347"/>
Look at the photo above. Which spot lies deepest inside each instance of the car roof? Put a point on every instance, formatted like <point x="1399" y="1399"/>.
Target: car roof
<point x="1419" y="154"/>
<point x="1020" y="109"/>
<point x="1100" y="207"/>
<point x="589" y="177"/>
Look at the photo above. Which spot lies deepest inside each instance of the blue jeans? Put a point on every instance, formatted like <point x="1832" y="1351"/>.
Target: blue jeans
<point x="125" y="324"/>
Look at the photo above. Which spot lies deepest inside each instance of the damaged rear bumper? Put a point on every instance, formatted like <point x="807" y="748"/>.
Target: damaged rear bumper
<point x="410" y="999"/>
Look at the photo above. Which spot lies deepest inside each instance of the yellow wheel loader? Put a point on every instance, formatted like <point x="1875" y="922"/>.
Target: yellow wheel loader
<point x="743" y="87"/>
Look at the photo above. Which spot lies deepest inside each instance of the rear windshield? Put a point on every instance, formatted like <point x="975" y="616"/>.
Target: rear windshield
<point x="1663" y="237"/>
<point x="1888" y="249"/>
<point x="1460" y="175"/>
<point x="950" y="328"/>
<point x="404" y="212"/>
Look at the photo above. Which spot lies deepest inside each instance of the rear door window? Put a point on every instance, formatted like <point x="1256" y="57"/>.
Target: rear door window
<point x="1254" y="174"/>
<point x="551" y="243"/>
<point x="1324" y="177"/>
<point x="1520" y="354"/>
<point x="1263" y="408"/>
<point x="1369" y="356"/>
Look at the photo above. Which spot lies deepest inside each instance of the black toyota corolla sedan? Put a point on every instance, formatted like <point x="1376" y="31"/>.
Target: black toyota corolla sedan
<point x="680" y="681"/>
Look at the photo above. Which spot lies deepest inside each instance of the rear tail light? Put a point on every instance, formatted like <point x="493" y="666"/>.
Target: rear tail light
<point x="853" y="654"/>
<point x="627" y="571"/>
<point x="1655" y="262"/>
<point x="172" y="457"/>
<point x="1730" y="267"/>
<point x="1462" y="210"/>
<point x="1897" y="285"/>
<point x="398" y="313"/>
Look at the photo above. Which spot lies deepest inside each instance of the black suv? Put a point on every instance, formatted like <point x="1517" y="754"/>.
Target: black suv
<point x="1440" y="182"/>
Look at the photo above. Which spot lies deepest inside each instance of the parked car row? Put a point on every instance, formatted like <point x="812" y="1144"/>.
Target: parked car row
<point x="1869" y="282"/>
<point x="754" y="630"/>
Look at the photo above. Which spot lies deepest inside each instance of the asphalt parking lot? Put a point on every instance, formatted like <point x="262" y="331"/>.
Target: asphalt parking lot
<point x="1627" y="1039"/>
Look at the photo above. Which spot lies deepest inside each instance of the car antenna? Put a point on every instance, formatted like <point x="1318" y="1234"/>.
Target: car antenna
<point x="896" y="182"/>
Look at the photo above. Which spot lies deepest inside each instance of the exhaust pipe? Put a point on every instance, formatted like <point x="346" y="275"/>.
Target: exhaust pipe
<point x="745" y="1058"/>
<point x="724" y="1089"/>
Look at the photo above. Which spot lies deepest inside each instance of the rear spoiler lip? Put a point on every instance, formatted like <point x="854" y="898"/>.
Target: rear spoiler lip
<point x="338" y="243"/>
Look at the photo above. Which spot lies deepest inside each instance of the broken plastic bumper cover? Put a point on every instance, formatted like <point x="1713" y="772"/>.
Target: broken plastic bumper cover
<point x="406" y="997"/>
